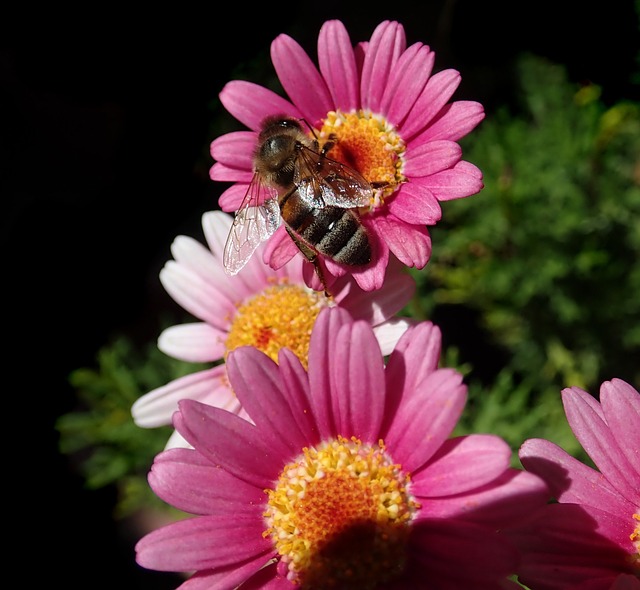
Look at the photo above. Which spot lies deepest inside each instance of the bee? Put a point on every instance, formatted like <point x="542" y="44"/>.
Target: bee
<point x="314" y="196"/>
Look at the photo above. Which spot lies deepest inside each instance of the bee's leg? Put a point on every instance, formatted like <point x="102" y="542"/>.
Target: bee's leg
<point x="312" y="256"/>
<point x="331" y="141"/>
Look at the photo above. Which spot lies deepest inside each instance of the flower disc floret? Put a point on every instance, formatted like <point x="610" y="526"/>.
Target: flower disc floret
<point x="339" y="516"/>
<point x="280" y="316"/>
<point x="370" y="144"/>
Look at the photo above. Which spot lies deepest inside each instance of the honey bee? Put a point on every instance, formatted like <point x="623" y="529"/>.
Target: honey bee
<point x="316" y="198"/>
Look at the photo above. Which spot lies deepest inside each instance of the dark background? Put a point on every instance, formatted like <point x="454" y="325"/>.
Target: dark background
<point x="105" y="124"/>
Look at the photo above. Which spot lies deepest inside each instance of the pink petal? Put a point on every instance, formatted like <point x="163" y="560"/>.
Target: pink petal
<point x="438" y="90"/>
<point x="229" y="441"/>
<point x="569" y="479"/>
<point x="393" y="295"/>
<point x="338" y="66"/>
<point x="223" y="173"/>
<point x="157" y="407"/>
<point x="438" y="544"/>
<point x="453" y="122"/>
<point x="193" y="342"/>
<point x="300" y="79"/>
<point x="231" y="198"/>
<point x="232" y="576"/>
<point x="251" y="103"/>
<point x="204" y="542"/>
<point x="358" y="400"/>
<point x="185" y="479"/>
<point x="235" y="149"/>
<point x="462" y="464"/>
<point x="432" y="157"/>
<point x="425" y="418"/>
<point x="411" y="244"/>
<point x="503" y="503"/>
<point x="598" y="441"/>
<point x="410" y="74"/>
<point x="321" y="368"/>
<point x="280" y="249"/>
<point x="415" y="357"/>
<point x="463" y="180"/>
<point x="621" y="407"/>
<point x="384" y="49"/>
<point x="415" y="204"/>
<point x="295" y="383"/>
<point x="267" y="405"/>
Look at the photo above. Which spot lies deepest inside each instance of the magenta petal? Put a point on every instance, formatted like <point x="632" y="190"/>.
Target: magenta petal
<point x="437" y="92"/>
<point x="266" y="405"/>
<point x="279" y="249"/>
<point x="453" y="122"/>
<point x="411" y="244"/>
<point x="598" y="441"/>
<point x="202" y="543"/>
<point x="358" y="382"/>
<point x="296" y="388"/>
<point x="432" y="157"/>
<point x="231" y="199"/>
<point x="411" y="74"/>
<point x="415" y="204"/>
<point x="425" y="418"/>
<point x="384" y="49"/>
<point x="338" y="65"/>
<point x="465" y="463"/>
<point x="300" y="79"/>
<point x="229" y="441"/>
<point x="503" y="503"/>
<point x="322" y="364"/>
<point x="251" y="103"/>
<point x="186" y="480"/>
<point x="415" y="356"/>
<point x="235" y="149"/>
<point x="463" y="180"/>
<point x="437" y="545"/>
<point x="569" y="479"/>
<point x="621" y="408"/>
<point x="234" y="575"/>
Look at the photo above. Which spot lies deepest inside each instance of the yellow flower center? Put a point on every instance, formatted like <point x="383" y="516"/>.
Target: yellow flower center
<point x="635" y="539"/>
<point x="369" y="144"/>
<point x="340" y="516"/>
<point x="280" y="316"/>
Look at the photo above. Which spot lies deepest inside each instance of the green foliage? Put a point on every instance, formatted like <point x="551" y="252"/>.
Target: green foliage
<point x="101" y="434"/>
<point x="548" y="253"/>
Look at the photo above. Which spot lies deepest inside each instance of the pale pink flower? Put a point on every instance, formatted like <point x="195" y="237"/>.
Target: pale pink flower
<point x="590" y="539"/>
<point x="345" y="478"/>
<point x="393" y="122"/>
<point x="259" y="306"/>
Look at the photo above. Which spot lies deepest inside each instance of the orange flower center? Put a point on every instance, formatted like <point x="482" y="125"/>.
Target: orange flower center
<point x="340" y="516"/>
<point x="369" y="144"/>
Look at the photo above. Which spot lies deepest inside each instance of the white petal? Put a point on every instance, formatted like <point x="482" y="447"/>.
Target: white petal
<point x="195" y="342"/>
<point x="390" y="332"/>
<point x="156" y="408"/>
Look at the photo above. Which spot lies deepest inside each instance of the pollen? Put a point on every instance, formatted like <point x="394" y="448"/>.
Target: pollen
<point x="369" y="144"/>
<point x="280" y="316"/>
<point x="340" y="516"/>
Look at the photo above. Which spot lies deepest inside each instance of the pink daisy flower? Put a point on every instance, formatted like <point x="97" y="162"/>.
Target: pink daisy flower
<point x="392" y="121"/>
<point x="346" y="478"/>
<point x="259" y="306"/>
<point x="590" y="539"/>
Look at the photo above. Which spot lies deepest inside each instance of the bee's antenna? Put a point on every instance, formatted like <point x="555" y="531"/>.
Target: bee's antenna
<point x="315" y="136"/>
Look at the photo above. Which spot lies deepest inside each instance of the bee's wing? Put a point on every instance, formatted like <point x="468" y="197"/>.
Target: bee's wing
<point x="322" y="181"/>
<point x="252" y="225"/>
